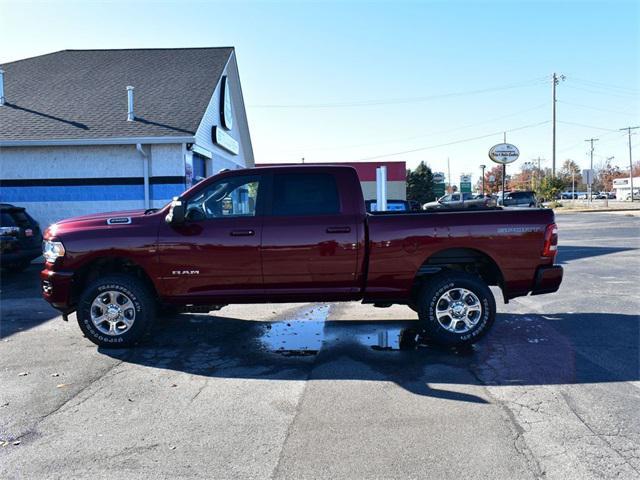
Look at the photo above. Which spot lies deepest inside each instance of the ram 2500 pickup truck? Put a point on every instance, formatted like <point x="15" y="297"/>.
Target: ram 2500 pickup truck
<point x="294" y="234"/>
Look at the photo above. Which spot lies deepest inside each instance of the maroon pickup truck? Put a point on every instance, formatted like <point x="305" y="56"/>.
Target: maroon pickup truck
<point x="294" y="234"/>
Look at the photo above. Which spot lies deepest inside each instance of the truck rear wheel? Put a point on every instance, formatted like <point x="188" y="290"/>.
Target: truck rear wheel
<point x="456" y="309"/>
<point x="116" y="311"/>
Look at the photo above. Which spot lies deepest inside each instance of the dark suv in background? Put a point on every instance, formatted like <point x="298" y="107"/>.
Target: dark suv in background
<point x="518" y="199"/>
<point x="20" y="238"/>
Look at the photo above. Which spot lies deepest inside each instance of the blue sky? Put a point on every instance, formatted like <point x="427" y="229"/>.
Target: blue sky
<point x="349" y="81"/>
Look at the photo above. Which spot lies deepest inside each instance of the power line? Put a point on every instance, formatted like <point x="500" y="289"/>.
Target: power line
<point x="602" y="85"/>
<point x="587" y="126"/>
<point x="577" y="144"/>
<point x="608" y="93"/>
<point x="393" y="154"/>
<point x="394" y="101"/>
<point x="596" y="108"/>
<point x="414" y="137"/>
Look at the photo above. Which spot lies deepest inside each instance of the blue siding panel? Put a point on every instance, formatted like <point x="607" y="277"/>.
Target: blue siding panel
<point x="90" y="193"/>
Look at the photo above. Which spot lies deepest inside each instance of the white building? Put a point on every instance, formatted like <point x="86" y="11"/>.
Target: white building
<point x="76" y="139"/>
<point x="622" y="187"/>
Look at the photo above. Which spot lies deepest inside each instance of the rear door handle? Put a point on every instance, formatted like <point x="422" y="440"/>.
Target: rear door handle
<point x="339" y="230"/>
<point x="242" y="233"/>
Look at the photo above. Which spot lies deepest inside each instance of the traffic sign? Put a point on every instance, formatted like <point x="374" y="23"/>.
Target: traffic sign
<point x="587" y="176"/>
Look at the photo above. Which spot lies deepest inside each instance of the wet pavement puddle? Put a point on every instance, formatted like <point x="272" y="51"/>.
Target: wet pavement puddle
<point x="308" y="331"/>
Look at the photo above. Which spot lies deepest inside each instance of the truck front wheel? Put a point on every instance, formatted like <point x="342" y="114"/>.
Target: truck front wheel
<point x="116" y="311"/>
<point x="456" y="309"/>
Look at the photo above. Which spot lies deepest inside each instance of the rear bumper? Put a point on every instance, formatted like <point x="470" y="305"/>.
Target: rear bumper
<point x="548" y="280"/>
<point x="56" y="288"/>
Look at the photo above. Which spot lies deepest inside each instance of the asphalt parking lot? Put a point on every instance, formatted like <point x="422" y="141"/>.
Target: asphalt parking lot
<point x="338" y="390"/>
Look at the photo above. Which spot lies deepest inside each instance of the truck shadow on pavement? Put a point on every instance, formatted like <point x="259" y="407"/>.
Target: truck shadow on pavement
<point x="568" y="253"/>
<point x="521" y="350"/>
<point x="21" y="305"/>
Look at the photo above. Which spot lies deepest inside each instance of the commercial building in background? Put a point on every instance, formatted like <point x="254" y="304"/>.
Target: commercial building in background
<point x="396" y="177"/>
<point x="84" y="131"/>
<point x="622" y="187"/>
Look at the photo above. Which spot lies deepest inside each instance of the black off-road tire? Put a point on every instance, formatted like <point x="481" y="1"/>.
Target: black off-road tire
<point x="432" y="292"/>
<point x="141" y="298"/>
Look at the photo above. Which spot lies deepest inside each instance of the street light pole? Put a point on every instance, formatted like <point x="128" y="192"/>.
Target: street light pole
<point x="591" y="170"/>
<point x="555" y="80"/>
<point x="483" y="167"/>
<point x="628" y="129"/>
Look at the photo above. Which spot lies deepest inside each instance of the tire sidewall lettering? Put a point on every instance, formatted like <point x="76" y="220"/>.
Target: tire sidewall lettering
<point x="478" y="329"/>
<point x="85" y="314"/>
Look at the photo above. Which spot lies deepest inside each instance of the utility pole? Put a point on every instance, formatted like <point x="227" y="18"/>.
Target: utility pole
<point x="504" y="169"/>
<point x="606" y="193"/>
<point x="449" y="175"/>
<point x="628" y="129"/>
<point x="554" y="82"/>
<point x="591" y="140"/>
<point x="538" y="171"/>
<point x="483" y="167"/>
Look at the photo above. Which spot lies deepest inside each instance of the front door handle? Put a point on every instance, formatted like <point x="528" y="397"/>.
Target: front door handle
<point x="339" y="230"/>
<point x="242" y="233"/>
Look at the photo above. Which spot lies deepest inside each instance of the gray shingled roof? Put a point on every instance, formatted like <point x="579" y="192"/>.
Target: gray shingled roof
<point x="81" y="94"/>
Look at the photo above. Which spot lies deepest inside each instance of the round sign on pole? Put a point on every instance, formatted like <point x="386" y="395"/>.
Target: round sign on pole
<point x="504" y="153"/>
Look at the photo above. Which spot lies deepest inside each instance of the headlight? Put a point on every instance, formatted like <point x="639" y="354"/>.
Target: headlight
<point x="52" y="250"/>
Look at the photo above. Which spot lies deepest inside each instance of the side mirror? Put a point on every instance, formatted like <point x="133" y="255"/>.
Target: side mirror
<point x="176" y="212"/>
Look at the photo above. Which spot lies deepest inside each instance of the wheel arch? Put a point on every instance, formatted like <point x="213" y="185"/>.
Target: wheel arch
<point x="461" y="259"/>
<point x="106" y="265"/>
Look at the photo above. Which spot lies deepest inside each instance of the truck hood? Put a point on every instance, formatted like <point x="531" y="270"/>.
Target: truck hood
<point x="98" y="221"/>
<point x="102" y="216"/>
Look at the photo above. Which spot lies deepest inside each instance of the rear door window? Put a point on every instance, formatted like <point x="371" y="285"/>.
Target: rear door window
<point x="305" y="194"/>
<point x="6" y="220"/>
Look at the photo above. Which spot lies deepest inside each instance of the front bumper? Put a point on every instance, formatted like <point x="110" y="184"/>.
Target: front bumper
<point x="56" y="288"/>
<point x="547" y="280"/>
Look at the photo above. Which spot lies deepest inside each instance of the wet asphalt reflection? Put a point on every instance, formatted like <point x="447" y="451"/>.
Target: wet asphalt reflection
<point x="310" y="332"/>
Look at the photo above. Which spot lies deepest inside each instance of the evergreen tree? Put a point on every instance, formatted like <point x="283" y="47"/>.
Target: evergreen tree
<point x="420" y="184"/>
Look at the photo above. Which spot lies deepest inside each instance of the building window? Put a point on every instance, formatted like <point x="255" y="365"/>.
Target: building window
<point x="199" y="168"/>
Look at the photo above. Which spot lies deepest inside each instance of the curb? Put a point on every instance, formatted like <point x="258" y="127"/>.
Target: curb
<point x="598" y="210"/>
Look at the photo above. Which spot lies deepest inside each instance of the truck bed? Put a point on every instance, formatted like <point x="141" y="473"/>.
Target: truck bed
<point x="400" y="244"/>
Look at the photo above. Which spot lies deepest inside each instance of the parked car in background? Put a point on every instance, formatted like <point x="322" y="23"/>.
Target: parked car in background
<point x="605" y="196"/>
<point x="460" y="200"/>
<point x="569" y="195"/>
<point x="392" y="206"/>
<point x="636" y="196"/>
<point x="20" y="238"/>
<point x="518" y="199"/>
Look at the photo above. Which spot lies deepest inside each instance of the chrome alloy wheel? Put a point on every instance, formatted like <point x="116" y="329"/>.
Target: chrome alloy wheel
<point x="458" y="310"/>
<point x="113" y="313"/>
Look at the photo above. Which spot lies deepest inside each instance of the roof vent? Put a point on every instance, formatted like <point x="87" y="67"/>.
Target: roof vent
<point x="130" y="116"/>
<point x="1" y="87"/>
